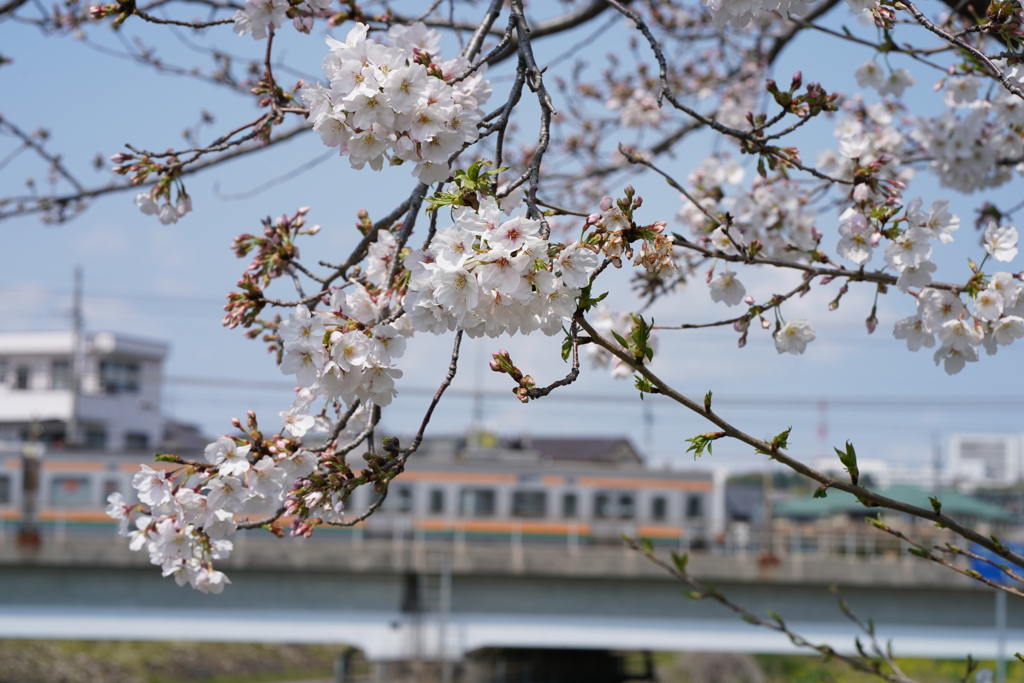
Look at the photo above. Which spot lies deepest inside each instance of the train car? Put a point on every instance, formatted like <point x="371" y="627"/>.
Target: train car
<point x="466" y="489"/>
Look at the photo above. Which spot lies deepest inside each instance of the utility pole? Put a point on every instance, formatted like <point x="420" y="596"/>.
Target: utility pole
<point x="28" y="530"/>
<point x="77" y="360"/>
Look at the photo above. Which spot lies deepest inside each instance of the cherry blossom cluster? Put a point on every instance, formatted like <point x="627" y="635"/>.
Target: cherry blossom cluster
<point x="258" y="17"/>
<point x="343" y="353"/>
<point x="906" y="251"/>
<point x="995" y="319"/>
<point x="774" y="212"/>
<point x="870" y="152"/>
<point x="638" y="108"/>
<point x="396" y="102"/>
<point x="739" y="13"/>
<point x="185" y="516"/>
<point x="971" y="145"/>
<point x="492" y="276"/>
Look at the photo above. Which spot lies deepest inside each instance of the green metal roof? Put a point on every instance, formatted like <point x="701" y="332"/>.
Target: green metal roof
<point x="840" y="502"/>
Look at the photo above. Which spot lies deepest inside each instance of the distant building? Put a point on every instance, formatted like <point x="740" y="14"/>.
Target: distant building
<point x="116" y="407"/>
<point x="986" y="459"/>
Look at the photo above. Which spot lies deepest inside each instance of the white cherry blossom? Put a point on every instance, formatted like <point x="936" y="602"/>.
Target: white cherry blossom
<point x="794" y="336"/>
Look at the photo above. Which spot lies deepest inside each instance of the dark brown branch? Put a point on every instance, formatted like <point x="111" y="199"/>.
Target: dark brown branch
<point x="862" y="494"/>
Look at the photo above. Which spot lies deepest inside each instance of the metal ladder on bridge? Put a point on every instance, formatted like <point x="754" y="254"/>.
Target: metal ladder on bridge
<point x="435" y="599"/>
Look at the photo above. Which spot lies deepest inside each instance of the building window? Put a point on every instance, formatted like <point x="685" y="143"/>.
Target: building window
<point x="3" y="371"/>
<point x="436" y="501"/>
<point x="529" y="503"/>
<point x="695" y="506"/>
<point x="70" y="491"/>
<point x="476" y="503"/>
<point x="95" y="437"/>
<point x="60" y="375"/>
<point x="119" y="377"/>
<point x="569" y="505"/>
<point x="659" y="508"/>
<point x="603" y="505"/>
<point x="21" y="377"/>
<point x="5" y="490"/>
<point x="136" y="441"/>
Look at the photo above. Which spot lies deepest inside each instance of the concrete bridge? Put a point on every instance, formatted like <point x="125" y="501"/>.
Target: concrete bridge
<point x="403" y="600"/>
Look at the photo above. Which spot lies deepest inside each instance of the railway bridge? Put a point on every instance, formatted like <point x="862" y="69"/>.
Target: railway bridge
<point x="402" y="599"/>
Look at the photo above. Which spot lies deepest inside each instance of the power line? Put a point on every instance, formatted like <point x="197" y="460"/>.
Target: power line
<point x="768" y="402"/>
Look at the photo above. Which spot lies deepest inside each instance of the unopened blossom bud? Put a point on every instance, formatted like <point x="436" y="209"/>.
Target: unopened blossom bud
<point x="638" y="202"/>
<point x="875" y="238"/>
<point x="236" y="423"/>
<point x="748" y="300"/>
<point x="629" y="191"/>
<point x="606" y="203"/>
<point x="815" y="233"/>
<point x="739" y="326"/>
<point x="495" y="365"/>
<point x="861" y="192"/>
<point x="120" y="157"/>
<point x="765" y="324"/>
<point x="872" y="323"/>
<point x="313" y="230"/>
<point x="798" y="79"/>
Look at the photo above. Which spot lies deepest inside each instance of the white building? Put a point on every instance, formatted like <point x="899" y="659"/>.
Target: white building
<point x="117" y="407"/>
<point x="986" y="459"/>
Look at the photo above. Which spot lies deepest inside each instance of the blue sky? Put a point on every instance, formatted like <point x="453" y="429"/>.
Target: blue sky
<point x="169" y="282"/>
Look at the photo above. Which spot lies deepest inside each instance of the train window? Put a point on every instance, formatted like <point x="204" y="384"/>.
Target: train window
<point x="71" y="491"/>
<point x="22" y="377"/>
<point x="529" y="503"/>
<point x="602" y="505"/>
<point x="5" y="490"/>
<point x="627" y="509"/>
<point x="136" y="441"/>
<point x="569" y="505"/>
<point x="110" y="486"/>
<point x="659" y="508"/>
<point x="695" y="506"/>
<point x="403" y="499"/>
<point x="476" y="503"/>
<point x="436" y="501"/>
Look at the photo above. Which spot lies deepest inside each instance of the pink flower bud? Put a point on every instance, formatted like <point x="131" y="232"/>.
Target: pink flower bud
<point x="748" y="300"/>
<point x="765" y="324"/>
<point x="606" y="203"/>
<point x="593" y="219"/>
<point x="875" y="238"/>
<point x="815" y="233"/>
<point x="861" y="192"/>
<point x="120" y="157"/>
